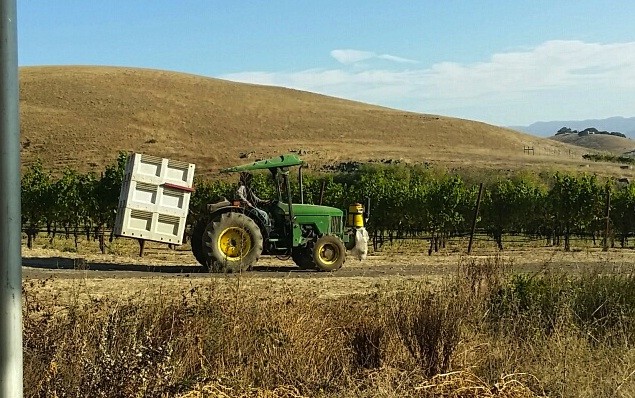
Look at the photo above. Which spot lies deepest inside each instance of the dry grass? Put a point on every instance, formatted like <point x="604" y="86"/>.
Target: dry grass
<point x="82" y="116"/>
<point x="598" y="142"/>
<point x="221" y="338"/>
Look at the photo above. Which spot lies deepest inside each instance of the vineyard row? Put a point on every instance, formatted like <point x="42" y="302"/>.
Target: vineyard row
<point x="407" y="202"/>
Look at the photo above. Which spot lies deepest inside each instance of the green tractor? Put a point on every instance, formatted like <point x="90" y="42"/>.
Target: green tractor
<point x="231" y="236"/>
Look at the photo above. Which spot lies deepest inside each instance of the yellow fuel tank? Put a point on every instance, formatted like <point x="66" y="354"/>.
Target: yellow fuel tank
<point x="355" y="215"/>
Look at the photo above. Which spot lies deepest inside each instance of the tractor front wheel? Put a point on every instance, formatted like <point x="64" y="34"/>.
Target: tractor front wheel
<point x="233" y="243"/>
<point x="329" y="253"/>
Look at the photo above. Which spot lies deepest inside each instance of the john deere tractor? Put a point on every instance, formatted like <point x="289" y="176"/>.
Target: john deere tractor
<point x="232" y="235"/>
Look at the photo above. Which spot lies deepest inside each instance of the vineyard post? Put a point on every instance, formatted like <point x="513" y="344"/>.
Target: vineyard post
<point x="102" y="244"/>
<point x="478" y="204"/>
<point x="608" y="219"/>
<point x="322" y="192"/>
<point x="11" y="371"/>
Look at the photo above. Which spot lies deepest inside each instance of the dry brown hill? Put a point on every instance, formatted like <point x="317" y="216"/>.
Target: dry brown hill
<point x="599" y="142"/>
<point x="82" y="116"/>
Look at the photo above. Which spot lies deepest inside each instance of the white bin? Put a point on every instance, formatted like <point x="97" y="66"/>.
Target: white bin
<point x="154" y="199"/>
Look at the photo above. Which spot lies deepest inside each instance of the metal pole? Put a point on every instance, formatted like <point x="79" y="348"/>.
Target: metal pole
<point x="608" y="219"/>
<point x="478" y="204"/>
<point x="287" y="184"/>
<point x="301" y="183"/>
<point x="322" y="191"/>
<point x="10" y="217"/>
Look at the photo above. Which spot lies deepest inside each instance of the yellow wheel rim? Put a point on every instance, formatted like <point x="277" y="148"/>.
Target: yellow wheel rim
<point x="234" y="243"/>
<point x="329" y="254"/>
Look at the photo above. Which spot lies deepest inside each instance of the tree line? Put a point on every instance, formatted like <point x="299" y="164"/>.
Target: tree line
<point x="408" y="201"/>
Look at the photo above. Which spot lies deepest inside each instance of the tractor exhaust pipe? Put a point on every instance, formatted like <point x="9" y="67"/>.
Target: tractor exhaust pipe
<point x="301" y="183"/>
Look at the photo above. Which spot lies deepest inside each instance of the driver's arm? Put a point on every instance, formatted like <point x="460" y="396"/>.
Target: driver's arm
<point x="259" y="201"/>
<point x="241" y="192"/>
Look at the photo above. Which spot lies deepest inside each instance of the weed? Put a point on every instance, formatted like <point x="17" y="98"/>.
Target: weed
<point x="429" y="326"/>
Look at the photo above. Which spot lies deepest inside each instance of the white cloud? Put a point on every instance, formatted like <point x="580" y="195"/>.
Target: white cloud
<point x="400" y="60"/>
<point x="555" y="80"/>
<point x="348" y="57"/>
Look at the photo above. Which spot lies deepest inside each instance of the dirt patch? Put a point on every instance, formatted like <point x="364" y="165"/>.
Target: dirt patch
<point x="129" y="277"/>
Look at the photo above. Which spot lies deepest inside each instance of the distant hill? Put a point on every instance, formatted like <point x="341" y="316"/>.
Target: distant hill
<point x="598" y="142"/>
<point x="82" y="116"/>
<point x="617" y="123"/>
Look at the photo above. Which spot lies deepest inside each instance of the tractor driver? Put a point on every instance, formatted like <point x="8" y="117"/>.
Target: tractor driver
<point x="247" y="196"/>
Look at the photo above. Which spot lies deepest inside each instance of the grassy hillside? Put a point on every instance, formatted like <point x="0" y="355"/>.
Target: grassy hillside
<point x="599" y="142"/>
<point x="82" y="116"/>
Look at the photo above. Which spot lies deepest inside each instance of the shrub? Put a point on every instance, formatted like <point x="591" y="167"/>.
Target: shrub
<point x="429" y="325"/>
<point x="604" y="306"/>
<point x="528" y="305"/>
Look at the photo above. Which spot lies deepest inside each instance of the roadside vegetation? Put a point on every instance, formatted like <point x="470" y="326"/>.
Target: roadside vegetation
<point x="482" y="333"/>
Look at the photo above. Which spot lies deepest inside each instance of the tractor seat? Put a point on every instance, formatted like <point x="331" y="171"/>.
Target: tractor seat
<point x="212" y="207"/>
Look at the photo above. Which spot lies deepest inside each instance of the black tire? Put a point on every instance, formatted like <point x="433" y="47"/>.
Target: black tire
<point x="196" y="242"/>
<point x="303" y="258"/>
<point x="329" y="253"/>
<point x="232" y="243"/>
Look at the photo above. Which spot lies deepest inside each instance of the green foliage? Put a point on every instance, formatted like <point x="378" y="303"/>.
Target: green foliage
<point x="71" y="201"/>
<point x="527" y="305"/>
<point x="575" y="203"/>
<point x="623" y="211"/>
<point x="609" y="158"/>
<point x="74" y="200"/>
<point x="208" y="192"/>
<point x="107" y="190"/>
<point x="512" y="205"/>
<point x="406" y="201"/>
<point x="604" y="305"/>
<point x="387" y="188"/>
<point x="443" y="203"/>
<point x="37" y="197"/>
<point x="601" y="304"/>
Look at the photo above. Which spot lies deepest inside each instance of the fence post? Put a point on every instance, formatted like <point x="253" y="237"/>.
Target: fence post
<point x="322" y="192"/>
<point x="478" y="204"/>
<point x="608" y="219"/>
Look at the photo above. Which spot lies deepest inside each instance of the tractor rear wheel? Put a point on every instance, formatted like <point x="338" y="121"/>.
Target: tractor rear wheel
<point x="196" y="241"/>
<point x="329" y="253"/>
<point x="232" y="243"/>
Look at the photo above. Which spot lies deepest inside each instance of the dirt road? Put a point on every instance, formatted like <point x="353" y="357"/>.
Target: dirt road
<point x="176" y="274"/>
<point x="177" y="263"/>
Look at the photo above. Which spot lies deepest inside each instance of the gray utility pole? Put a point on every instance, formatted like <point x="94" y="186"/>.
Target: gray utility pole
<point x="10" y="217"/>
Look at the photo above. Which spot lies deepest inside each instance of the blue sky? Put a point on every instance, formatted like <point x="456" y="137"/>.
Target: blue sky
<point x="501" y="62"/>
